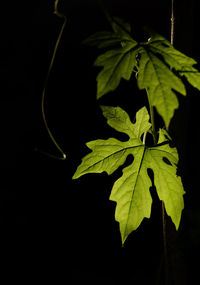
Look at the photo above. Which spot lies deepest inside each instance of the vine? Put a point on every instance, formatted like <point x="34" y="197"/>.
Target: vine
<point x="159" y="69"/>
<point x="164" y="222"/>
<point x="63" y="155"/>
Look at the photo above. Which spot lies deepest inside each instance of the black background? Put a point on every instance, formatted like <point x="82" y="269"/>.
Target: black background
<point x="58" y="229"/>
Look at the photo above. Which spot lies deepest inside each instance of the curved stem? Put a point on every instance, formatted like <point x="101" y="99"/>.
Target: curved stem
<point x="46" y="81"/>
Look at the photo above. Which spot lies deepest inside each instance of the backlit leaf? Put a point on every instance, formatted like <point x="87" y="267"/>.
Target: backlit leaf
<point x="156" y="74"/>
<point x="118" y="63"/>
<point x="131" y="191"/>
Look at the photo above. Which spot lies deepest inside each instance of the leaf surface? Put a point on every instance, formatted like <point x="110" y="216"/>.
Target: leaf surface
<point x="131" y="191"/>
<point x="156" y="74"/>
<point x="117" y="63"/>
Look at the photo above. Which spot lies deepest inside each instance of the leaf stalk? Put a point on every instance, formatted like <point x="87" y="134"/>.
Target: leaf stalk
<point x="152" y="118"/>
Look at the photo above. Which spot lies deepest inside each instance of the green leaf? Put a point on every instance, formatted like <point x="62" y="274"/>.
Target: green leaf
<point x="168" y="185"/>
<point x="131" y="191"/>
<point x="119" y="35"/>
<point x="156" y="68"/>
<point x="158" y="64"/>
<point x="175" y="59"/>
<point x="160" y="82"/>
<point x="121" y="27"/>
<point x="117" y="63"/>
<point x="103" y="39"/>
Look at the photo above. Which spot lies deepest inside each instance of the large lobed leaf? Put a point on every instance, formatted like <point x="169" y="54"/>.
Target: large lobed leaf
<point x="131" y="191"/>
<point x="154" y="61"/>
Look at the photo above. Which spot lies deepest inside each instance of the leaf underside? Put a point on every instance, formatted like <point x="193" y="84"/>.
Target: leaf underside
<point x="131" y="191"/>
<point x="158" y="65"/>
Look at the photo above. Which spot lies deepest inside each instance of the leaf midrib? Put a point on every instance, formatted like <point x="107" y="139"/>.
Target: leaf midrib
<point x="133" y="192"/>
<point x="124" y="149"/>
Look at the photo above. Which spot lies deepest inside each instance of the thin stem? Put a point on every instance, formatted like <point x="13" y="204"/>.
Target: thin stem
<point x="163" y="206"/>
<point x="164" y="222"/>
<point x="152" y="118"/>
<point x="144" y="138"/>
<point x="165" y="243"/>
<point x="153" y="123"/>
<point x="172" y="22"/>
<point x="46" y="81"/>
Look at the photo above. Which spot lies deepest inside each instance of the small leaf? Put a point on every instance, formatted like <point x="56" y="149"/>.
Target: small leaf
<point x="119" y="61"/>
<point x="118" y="119"/>
<point x="131" y="191"/>
<point x="121" y="33"/>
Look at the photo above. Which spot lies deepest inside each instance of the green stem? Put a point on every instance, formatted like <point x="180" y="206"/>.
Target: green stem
<point x="164" y="220"/>
<point x="153" y="124"/>
<point x="152" y="118"/>
<point x="144" y="138"/>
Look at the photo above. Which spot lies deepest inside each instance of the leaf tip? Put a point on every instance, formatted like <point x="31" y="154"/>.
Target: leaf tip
<point x="75" y="176"/>
<point x="99" y="94"/>
<point x="123" y="240"/>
